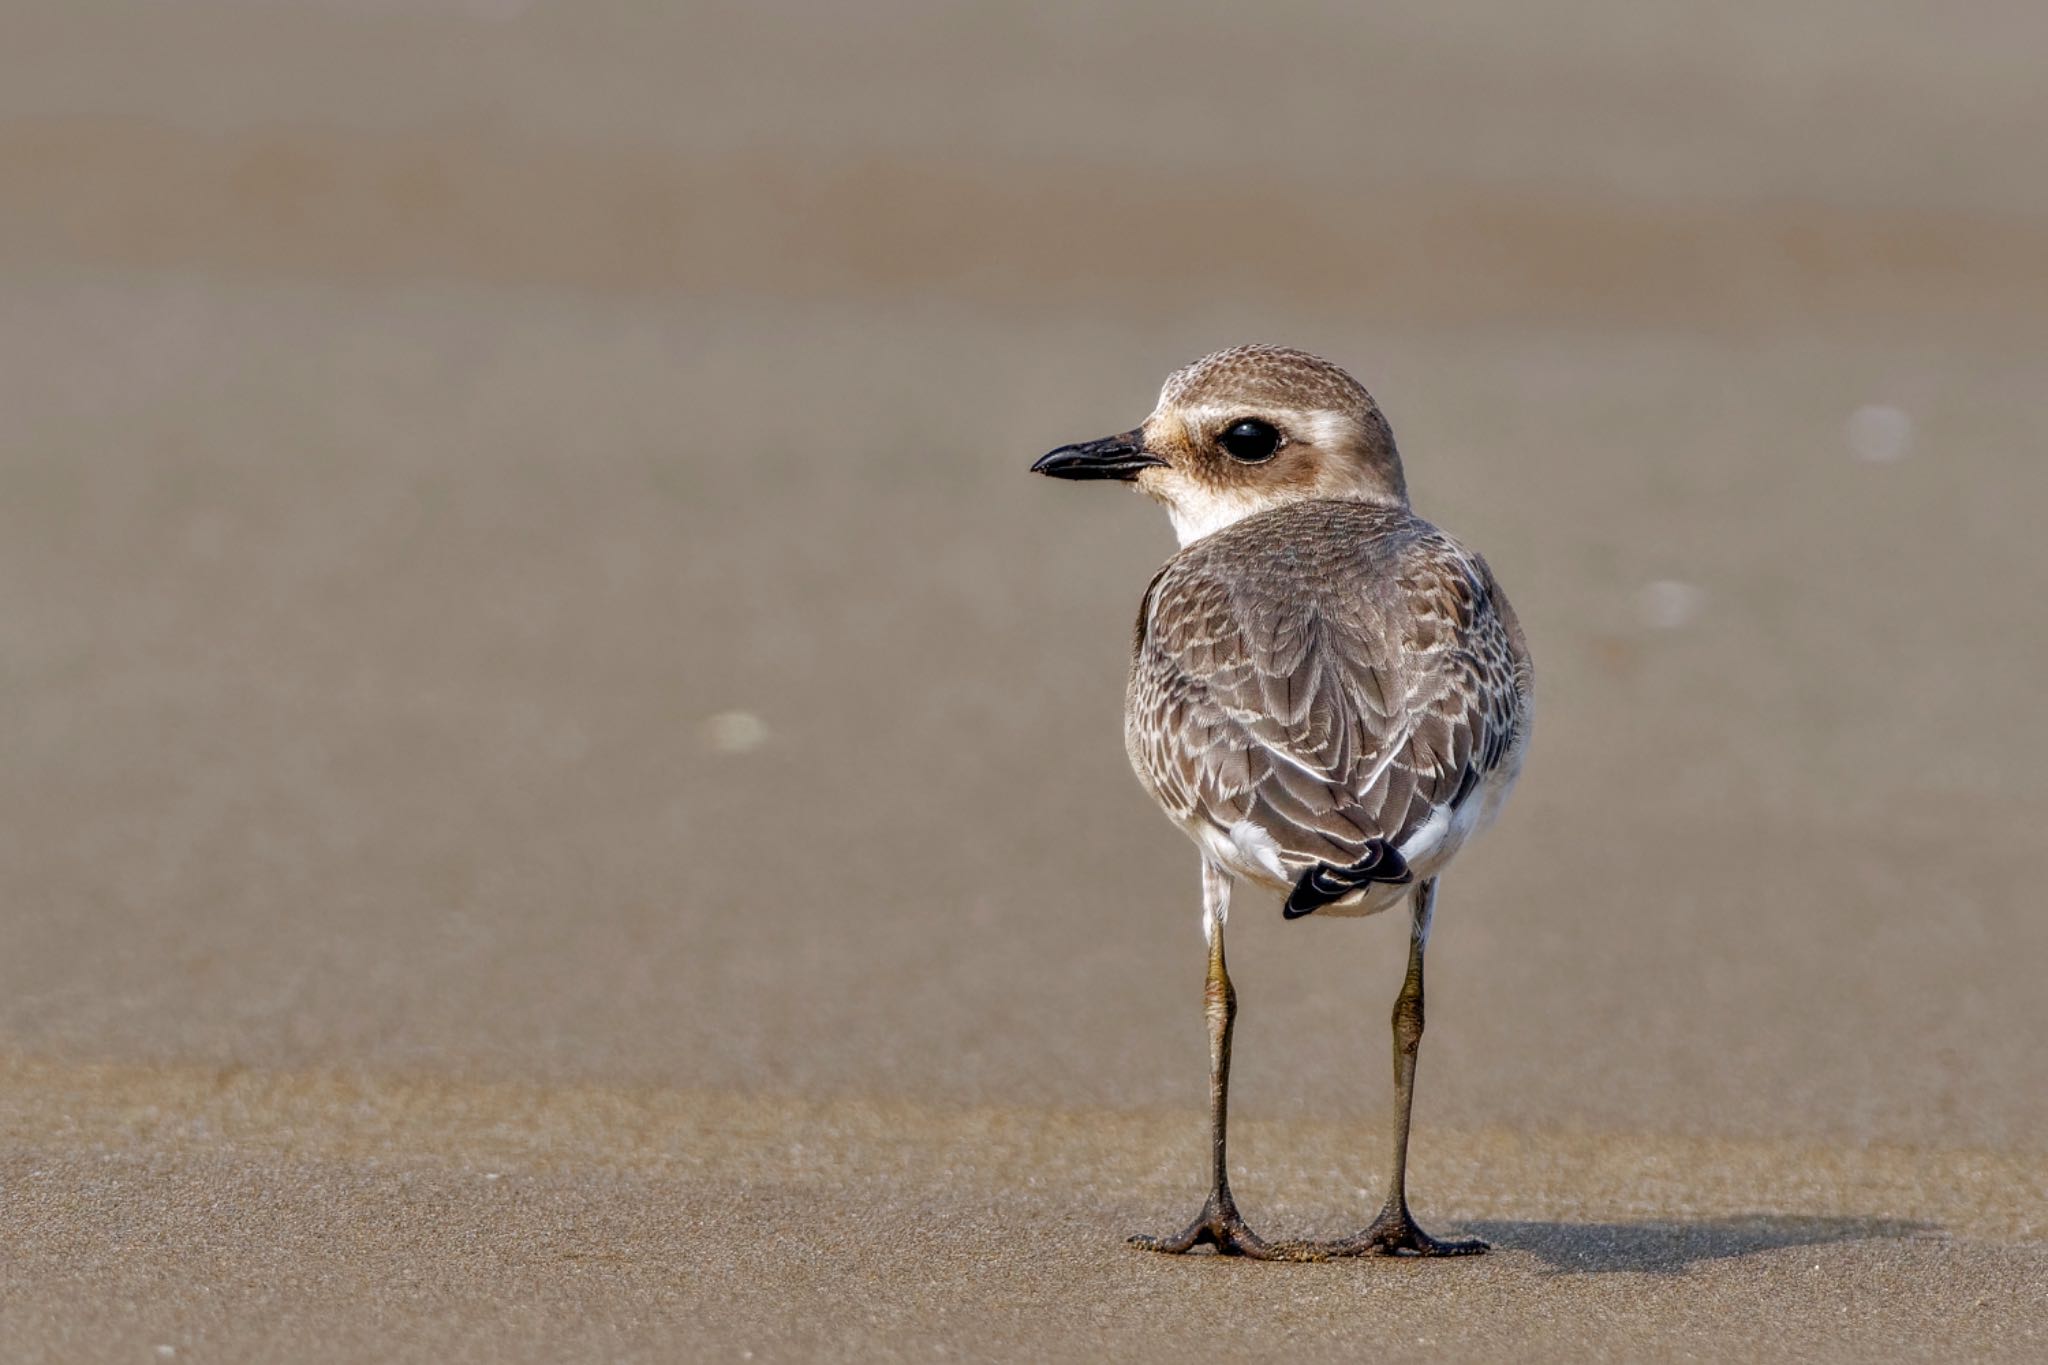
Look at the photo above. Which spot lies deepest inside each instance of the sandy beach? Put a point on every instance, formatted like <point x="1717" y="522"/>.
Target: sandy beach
<point x="563" y="794"/>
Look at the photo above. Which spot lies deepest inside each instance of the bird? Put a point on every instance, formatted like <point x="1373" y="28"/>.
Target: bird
<point x="1327" y="694"/>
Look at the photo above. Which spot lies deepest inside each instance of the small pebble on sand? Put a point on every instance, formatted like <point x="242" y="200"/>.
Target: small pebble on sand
<point x="735" y="732"/>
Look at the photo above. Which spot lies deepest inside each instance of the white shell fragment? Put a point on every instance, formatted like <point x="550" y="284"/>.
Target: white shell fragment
<point x="1667" y="604"/>
<point x="1878" y="433"/>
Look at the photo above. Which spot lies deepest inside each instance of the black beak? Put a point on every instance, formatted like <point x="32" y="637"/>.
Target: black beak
<point x="1112" y="457"/>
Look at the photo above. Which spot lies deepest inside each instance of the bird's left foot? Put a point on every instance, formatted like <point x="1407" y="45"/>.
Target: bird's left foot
<point x="1393" y="1233"/>
<point x="1217" y="1225"/>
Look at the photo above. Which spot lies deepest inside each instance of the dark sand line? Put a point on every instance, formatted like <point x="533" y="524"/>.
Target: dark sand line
<point x="1512" y="1178"/>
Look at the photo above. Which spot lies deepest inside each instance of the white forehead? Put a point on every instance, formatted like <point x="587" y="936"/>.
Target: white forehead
<point x="1201" y="416"/>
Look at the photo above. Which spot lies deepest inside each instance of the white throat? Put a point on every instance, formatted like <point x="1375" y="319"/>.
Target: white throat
<point x="1204" y="514"/>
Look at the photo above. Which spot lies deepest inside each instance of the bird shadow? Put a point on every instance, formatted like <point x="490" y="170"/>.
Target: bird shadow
<point x="1672" y="1248"/>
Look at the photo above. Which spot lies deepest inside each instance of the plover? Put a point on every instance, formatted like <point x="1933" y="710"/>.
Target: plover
<point x="1327" y="693"/>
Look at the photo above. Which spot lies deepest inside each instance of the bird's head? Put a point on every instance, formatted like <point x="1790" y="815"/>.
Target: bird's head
<point x="1244" y="430"/>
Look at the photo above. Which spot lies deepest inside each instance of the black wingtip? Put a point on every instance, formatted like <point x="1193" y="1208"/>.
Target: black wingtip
<point x="1297" y="906"/>
<point x="1326" y="883"/>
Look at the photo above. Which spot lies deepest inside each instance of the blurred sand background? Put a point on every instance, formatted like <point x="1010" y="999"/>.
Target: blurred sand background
<point x="562" y="793"/>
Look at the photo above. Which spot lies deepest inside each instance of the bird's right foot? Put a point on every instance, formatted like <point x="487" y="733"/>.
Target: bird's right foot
<point x="1218" y="1225"/>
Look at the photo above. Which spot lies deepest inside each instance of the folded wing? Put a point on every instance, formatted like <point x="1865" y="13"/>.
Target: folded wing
<point x="1332" y="692"/>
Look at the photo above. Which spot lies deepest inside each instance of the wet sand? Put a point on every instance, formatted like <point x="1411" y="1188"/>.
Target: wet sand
<point x="329" y="1217"/>
<point x="423" y="431"/>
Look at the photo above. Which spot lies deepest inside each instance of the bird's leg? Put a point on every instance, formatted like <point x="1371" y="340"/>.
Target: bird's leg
<point x="1218" y="1224"/>
<point x="1393" y="1232"/>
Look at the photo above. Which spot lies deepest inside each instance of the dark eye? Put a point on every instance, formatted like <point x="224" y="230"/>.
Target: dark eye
<point x="1250" y="440"/>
